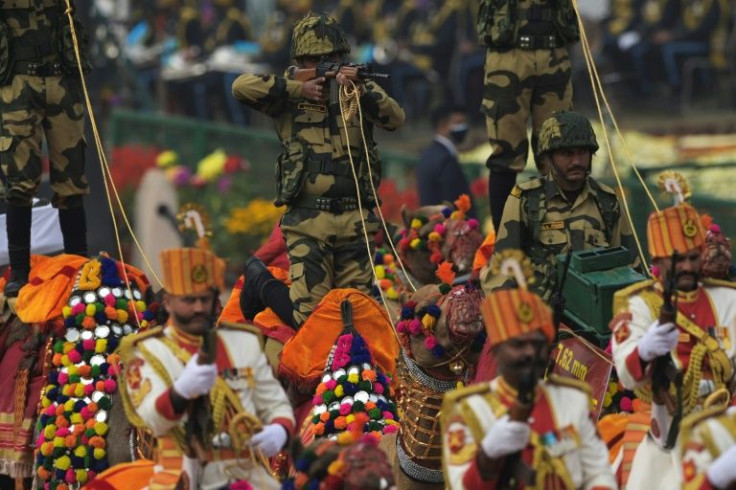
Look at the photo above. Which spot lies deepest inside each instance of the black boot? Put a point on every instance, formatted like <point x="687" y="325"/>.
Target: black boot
<point x="499" y="188"/>
<point x="73" y="223"/>
<point x="256" y="275"/>
<point x="18" y="227"/>
<point x="275" y="295"/>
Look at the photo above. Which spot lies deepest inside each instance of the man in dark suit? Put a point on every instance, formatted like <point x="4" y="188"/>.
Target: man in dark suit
<point x="439" y="176"/>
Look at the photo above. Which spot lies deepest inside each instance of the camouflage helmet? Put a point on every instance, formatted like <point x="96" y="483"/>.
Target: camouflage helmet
<point x="567" y="129"/>
<point x="317" y="35"/>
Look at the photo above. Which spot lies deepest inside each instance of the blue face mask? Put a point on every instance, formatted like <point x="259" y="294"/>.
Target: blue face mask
<point x="458" y="132"/>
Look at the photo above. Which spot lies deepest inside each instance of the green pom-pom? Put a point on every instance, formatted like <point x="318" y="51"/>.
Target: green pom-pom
<point x="315" y="419"/>
<point x="342" y="379"/>
<point x="328" y="396"/>
<point x="358" y="406"/>
<point x="121" y="304"/>
<point x="87" y="356"/>
<point x="105" y="403"/>
<point x="59" y="347"/>
<point x="99" y="307"/>
<point x="375" y="413"/>
<point x="75" y="378"/>
<point x="89" y="433"/>
<point x="95" y="371"/>
<point x="334" y="413"/>
<point x="445" y="288"/>
<point x="79" y="319"/>
<point x="365" y="386"/>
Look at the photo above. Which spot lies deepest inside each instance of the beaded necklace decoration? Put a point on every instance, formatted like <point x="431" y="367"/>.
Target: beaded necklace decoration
<point x="388" y="279"/>
<point x="76" y="401"/>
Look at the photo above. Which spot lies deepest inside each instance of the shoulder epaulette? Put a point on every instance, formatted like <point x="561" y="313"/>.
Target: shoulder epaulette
<point x="690" y="422"/>
<point x="621" y="296"/>
<point x="128" y="343"/>
<point x="530" y="184"/>
<point x="570" y="382"/>
<point x="243" y="327"/>
<point x="724" y="283"/>
<point x="455" y="396"/>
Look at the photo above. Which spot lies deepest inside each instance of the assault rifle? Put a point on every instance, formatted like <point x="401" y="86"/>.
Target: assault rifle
<point x="329" y="69"/>
<point x="199" y="427"/>
<point x="667" y="368"/>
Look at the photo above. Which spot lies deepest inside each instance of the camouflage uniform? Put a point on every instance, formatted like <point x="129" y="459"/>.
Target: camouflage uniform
<point x="322" y="224"/>
<point x="41" y="96"/>
<point x="540" y="220"/>
<point x="527" y="73"/>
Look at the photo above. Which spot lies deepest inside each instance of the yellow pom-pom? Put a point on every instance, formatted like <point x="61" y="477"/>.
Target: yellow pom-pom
<point x="607" y="400"/>
<point x="66" y="390"/>
<point x="68" y="347"/>
<point x="336" y="467"/>
<point x="99" y="453"/>
<point x="339" y="391"/>
<point x="460" y="384"/>
<point x="81" y="476"/>
<point x="66" y="311"/>
<point x="73" y="369"/>
<point x="140" y="306"/>
<point x="63" y="463"/>
<point x="58" y="442"/>
<point x="69" y="406"/>
<point x="49" y="432"/>
<point x="79" y="390"/>
<point x="350" y="419"/>
<point x="122" y="316"/>
<point x="456" y="215"/>
<point x="428" y="321"/>
<point x="76" y="418"/>
<point x="392" y="294"/>
<point x="80" y="451"/>
<point x="416" y="223"/>
<point x="65" y="361"/>
<point x="415" y="243"/>
<point x="101" y="346"/>
<point x="45" y="402"/>
<point x="434" y="237"/>
<point x="47" y="448"/>
<point x="90" y="310"/>
<point x="101" y="428"/>
<point x="380" y="271"/>
<point x="353" y="378"/>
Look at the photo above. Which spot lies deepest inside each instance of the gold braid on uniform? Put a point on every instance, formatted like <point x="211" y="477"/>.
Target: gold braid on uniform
<point x="349" y="99"/>
<point x="525" y="264"/>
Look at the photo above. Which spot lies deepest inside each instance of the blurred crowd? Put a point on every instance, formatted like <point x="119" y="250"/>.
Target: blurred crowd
<point x="181" y="56"/>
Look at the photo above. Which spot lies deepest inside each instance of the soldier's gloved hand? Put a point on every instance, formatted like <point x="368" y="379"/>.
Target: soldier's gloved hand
<point x="196" y="379"/>
<point x="658" y="340"/>
<point x="722" y="472"/>
<point x="270" y="439"/>
<point x="505" y="437"/>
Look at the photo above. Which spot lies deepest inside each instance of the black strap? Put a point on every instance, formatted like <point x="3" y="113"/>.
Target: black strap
<point x="33" y="52"/>
<point x="533" y="211"/>
<point x="332" y="204"/>
<point x="328" y="166"/>
<point x="609" y="208"/>
<point x="38" y="69"/>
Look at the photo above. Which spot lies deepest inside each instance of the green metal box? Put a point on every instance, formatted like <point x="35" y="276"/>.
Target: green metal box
<point x="592" y="279"/>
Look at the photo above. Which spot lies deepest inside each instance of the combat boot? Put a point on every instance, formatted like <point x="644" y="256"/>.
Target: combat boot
<point x="73" y="224"/>
<point x="18" y="227"/>
<point x="256" y="274"/>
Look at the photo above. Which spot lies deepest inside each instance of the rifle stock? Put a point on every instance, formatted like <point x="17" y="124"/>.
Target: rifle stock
<point x="352" y="71"/>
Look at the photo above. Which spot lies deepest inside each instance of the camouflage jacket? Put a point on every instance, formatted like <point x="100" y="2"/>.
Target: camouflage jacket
<point x="500" y="21"/>
<point x="539" y="220"/>
<point x="314" y="160"/>
<point x="28" y="34"/>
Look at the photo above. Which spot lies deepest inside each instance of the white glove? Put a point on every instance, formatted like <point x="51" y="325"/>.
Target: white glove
<point x="723" y="470"/>
<point x="505" y="437"/>
<point x="627" y="40"/>
<point x="658" y="340"/>
<point x="196" y="379"/>
<point x="270" y="439"/>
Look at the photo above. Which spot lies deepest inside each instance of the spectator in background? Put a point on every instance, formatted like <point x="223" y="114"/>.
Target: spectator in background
<point x="439" y="176"/>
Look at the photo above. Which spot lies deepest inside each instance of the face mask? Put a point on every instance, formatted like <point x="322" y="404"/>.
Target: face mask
<point x="458" y="132"/>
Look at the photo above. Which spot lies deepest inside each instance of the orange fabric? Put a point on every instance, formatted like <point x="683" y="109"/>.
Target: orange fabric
<point x="612" y="428"/>
<point x="508" y="313"/>
<point x="123" y="476"/>
<point x="304" y="355"/>
<point x="636" y="430"/>
<point x="484" y="252"/>
<point x="677" y="228"/>
<point x="49" y="284"/>
<point x="191" y="270"/>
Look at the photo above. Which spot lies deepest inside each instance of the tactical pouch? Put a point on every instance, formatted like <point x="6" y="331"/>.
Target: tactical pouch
<point x="290" y="172"/>
<point x="566" y="22"/>
<point x="497" y="22"/>
<point x="66" y="46"/>
<point x="6" y="63"/>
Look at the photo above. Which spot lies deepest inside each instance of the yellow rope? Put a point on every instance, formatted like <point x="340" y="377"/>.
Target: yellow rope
<point x="598" y="94"/>
<point x="344" y="94"/>
<point x="351" y="91"/>
<point x="105" y="167"/>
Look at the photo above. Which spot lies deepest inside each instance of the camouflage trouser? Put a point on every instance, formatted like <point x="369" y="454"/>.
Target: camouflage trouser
<point x="518" y="83"/>
<point x="31" y="108"/>
<point x="326" y="251"/>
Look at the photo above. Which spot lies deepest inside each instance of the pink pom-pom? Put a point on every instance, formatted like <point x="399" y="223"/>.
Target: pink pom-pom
<point x="402" y="327"/>
<point x="317" y="400"/>
<point x="91" y="475"/>
<point x="626" y="405"/>
<point x="84" y="440"/>
<point x="440" y="228"/>
<point x="70" y="477"/>
<point x="390" y="429"/>
<point x="78" y="308"/>
<point x="86" y="413"/>
<point x="714" y="228"/>
<point x="473" y="224"/>
<point x="655" y="271"/>
<point x="40" y="439"/>
<point x="378" y="388"/>
<point x="331" y="384"/>
<point x="63" y="379"/>
<point x="88" y="389"/>
<point x="345" y="409"/>
<point x="430" y="342"/>
<point x="62" y="432"/>
<point x="110" y="385"/>
<point x="89" y="344"/>
<point x="51" y="410"/>
<point x="388" y="415"/>
<point x="415" y="326"/>
<point x="110" y="300"/>
<point x="75" y="356"/>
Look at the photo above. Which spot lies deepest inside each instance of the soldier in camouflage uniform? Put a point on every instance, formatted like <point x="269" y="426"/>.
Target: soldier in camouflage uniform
<point x="322" y="225"/>
<point x="527" y="73"/>
<point x="41" y="96"/>
<point x="546" y="215"/>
